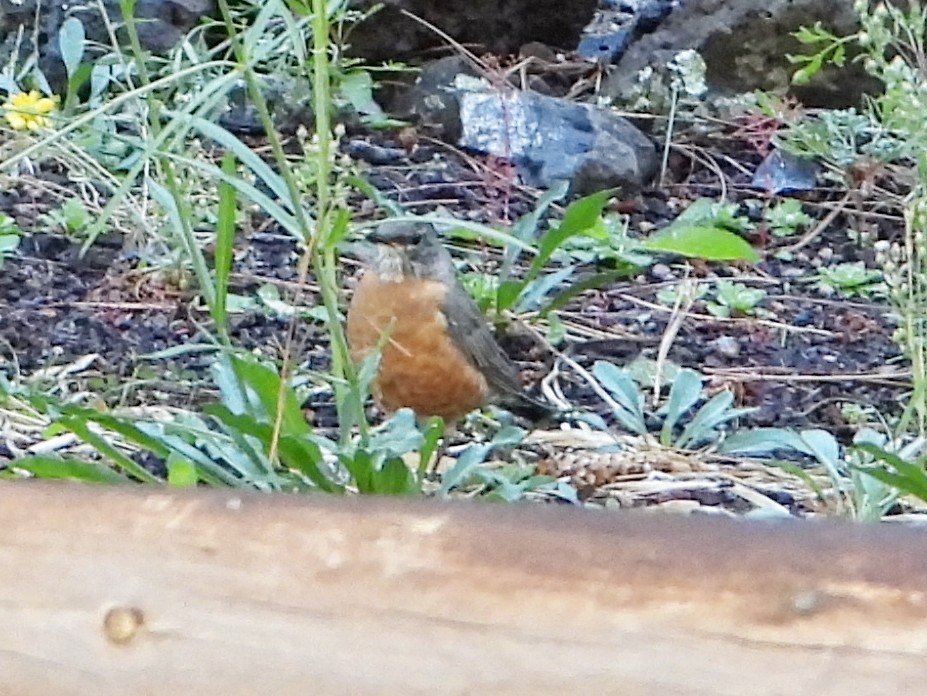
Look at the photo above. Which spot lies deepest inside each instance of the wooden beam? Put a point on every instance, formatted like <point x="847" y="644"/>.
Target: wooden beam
<point x="153" y="591"/>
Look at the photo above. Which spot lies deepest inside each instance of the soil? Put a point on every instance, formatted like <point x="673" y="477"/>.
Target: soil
<point x="809" y="353"/>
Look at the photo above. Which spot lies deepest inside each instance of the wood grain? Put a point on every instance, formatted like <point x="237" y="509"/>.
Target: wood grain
<point x="154" y="591"/>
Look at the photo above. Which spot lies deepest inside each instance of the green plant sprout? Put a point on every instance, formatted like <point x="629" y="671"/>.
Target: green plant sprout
<point x="734" y="299"/>
<point x="669" y="295"/>
<point x="850" y="279"/>
<point x="10" y="236"/>
<point x="71" y="217"/>
<point x="832" y="50"/>
<point x="786" y="218"/>
<point x="686" y="420"/>
<point x="861" y="481"/>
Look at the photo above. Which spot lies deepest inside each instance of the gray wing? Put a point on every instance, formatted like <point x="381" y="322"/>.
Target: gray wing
<point x="470" y="333"/>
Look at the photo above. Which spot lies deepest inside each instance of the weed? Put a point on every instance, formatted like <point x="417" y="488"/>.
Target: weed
<point x="831" y="49"/>
<point x="734" y="299"/>
<point x="10" y="236"/>
<point x="898" y="473"/>
<point x="706" y="230"/>
<point x="72" y="218"/>
<point x="849" y="279"/>
<point x="585" y="233"/>
<point x="786" y="217"/>
<point x="889" y="130"/>
<point x="867" y="478"/>
<point x="146" y="127"/>
<point x="686" y="420"/>
<point x="670" y="294"/>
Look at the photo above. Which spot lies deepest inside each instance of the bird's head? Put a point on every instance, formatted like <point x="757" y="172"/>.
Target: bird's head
<point x="410" y="250"/>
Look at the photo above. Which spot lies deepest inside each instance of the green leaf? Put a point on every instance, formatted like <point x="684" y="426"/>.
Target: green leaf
<point x="704" y="230"/>
<point x="181" y="472"/>
<point x="803" y="76"/>
<point x="534" y="294"/>
<point x="706" y="242"/>
<point x="395" y="478"/>
<point x="82" y="429"/>
<point x="431" y="435"/>
<point x="825" y="448"/>
<point x="579" y="217"/>
<point x="684" y="393"/>
<point x="839" y="56"/>
<point x="398" y="436"/>
<point x="357" y="88"/>
<point x="625" y="393"/>
<point x="382" y="201"/>
<point x="908" y="477"/>
<point x="295" y="453"/>
<point x="508" y="436"/>
<point x="507" y="292"/>
<point x="803" y="475"/>
<point x="710" y="417"/>
<point x="360" y="466"/>
<point x="71" y="44"/>
<point x="596" y="280"/>
<point x="174" y="437"/>
<point x="249" y="159"/>
<point x="906" y="484"/>
<point x="48" y="467"/>
<point x="75" y="82"/>
<point x="248" y="453"/>
<point x="225" y="244"/>
<point x="526" y="228"/>
<point x="466" y="463"/>
<point x="584" y="213"/>
<point x="263" y="387"/>
<point x="556" y="330"/>
<point x="763" y="441"/>
<point x="339" y="225"/>
<point x="708" y="212"/>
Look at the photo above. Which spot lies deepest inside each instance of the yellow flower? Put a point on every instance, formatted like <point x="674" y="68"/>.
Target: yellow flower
<point x="26" y="110"/>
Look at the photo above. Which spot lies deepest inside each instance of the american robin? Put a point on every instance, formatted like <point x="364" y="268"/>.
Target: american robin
<point x="439" y="357"/>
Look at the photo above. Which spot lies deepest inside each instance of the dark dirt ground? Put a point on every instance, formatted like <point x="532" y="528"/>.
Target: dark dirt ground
<point x="809" y="353"/>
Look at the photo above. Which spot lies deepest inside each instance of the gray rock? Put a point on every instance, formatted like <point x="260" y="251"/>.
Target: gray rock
<point x="617" y="23"/>
<point x="547" y="138"/>
<point x="727" y="346"/>
<point x="288" y="100"/>
<point x="660" y="271"/>
<point x="745" y="44"/>
<point x="782" y="171"/>
<point x="499" y="26"/>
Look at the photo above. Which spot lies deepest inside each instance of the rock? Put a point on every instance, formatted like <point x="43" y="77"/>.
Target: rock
<point x="288" y="100"/>
<point x="617" y="23"/>
<point x="160" y="25"/>
<point x="662" y="272"/>
<point x="727" y="346"/>
<point x="547" y="138"/>
<point x="499" y="26"/>
<point x="745" y="46"/>
<point x="780" y="172"/>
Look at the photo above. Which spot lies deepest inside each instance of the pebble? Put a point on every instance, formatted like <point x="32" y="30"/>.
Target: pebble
<point x="728" y="346"/>
<point x="660" y="271"/>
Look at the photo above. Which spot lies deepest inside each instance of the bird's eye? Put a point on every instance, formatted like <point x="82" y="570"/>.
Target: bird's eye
<point x="415" y="238"/>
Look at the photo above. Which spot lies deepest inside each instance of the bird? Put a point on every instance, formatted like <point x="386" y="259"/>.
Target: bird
<point x="439" y="357"/>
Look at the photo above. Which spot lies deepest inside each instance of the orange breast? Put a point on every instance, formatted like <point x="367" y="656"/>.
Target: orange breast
<point x="420" y="367"/>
